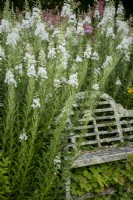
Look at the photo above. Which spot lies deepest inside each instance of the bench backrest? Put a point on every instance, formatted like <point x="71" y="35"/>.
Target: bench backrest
<point x="111" y="125"/>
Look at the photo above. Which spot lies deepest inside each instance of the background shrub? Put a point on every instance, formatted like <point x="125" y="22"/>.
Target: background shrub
<point x="52" y="4"/>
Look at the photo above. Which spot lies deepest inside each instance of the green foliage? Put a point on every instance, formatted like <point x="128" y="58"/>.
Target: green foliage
<point x="43" y="65"/>
<point x="96" y="179"/>
<point x="4" y="177"/>
<point x="120" y="92"/>
<point x="52" y="4"/>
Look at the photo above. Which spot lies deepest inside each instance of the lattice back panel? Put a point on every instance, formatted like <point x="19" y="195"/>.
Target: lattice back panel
<point x="110" y="126"/>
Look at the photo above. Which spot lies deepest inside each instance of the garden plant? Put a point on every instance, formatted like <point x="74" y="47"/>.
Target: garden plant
<point x="46" y="59"/>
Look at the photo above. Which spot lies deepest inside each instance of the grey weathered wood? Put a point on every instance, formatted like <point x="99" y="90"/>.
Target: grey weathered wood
<point x="91" y="195"/>
<point x="93" y="158"/>
<point x="118" y="125"/>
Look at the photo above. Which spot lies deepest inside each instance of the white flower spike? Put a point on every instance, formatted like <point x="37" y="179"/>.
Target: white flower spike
<point x="36" y="103"/>
<point x="10" y="78"/>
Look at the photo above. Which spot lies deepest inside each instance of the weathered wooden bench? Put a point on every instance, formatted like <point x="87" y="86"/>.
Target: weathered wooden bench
<point x="109" y="135"/>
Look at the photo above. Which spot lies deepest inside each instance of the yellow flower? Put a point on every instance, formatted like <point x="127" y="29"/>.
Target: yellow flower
<point x="130" y="90"/>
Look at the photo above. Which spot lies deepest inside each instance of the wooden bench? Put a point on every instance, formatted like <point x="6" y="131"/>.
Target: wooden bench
<point x="109" y="135"/>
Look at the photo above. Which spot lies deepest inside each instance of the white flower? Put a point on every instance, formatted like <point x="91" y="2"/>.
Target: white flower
<point x="124" y="47"/>
<point x="57" y="161"/>
<point x="30" y="58"/>
<point x="107" y="62"/>
<point x="2" y="53"/>
<point x="31" y="71"/>
<point x="42" y="72"/>
<point x="96" y="14"/>
<point x="66" y="10"/>
<point x="66" y="55"/>
<point x="5" y="26"/>
<point x="36" y="103"/>
<point x="97" y="71"/>
<point x="65" y="60"/>
<point x="87" y="20"/>
<point x="40" y="32"/>
<point x="72" y="19"/>
<point x="95" y="56"/>
<point x="110" y="32"/>
<point x="27" y="15"/>
<point x="95" y="86"/>
<point x="122" y="27"/>
<point x="17" y="28"/>
<point x="61" y="48"/>
<point x="42" y="57"/>
<point x="68" y="120"/>
<point x="55" y="33"/>
<point x="73" y="80"/>
<point x="52" y="53"/>
<point x="80" y="29"/>
<point x="69" y="31"/>
<point x="19" y="69"/>
<point x="12" y="38"/>
<point x="10" y="78"/>
<point x="118" y="82"/>
<point x="74" y="41"/>
<point x="75" y="105"/>
<point x="23" y="136"/>
<point x="109" y="14"/>
<point x="25" y="23"/>
<point x="125" y="44"/>
<point x="120" y="9"/>
<point x="126" y="55"/>
<point x="80" y="96"/>
<point x="48" y="97"/>
<point x="36" y="14"/>
<point x="36" y="10"/>
<point x="87" y="53"/>
<point x="44" y="36"/>
<point x="65" y="65"/>
<point x="78" y="59"/>
<point x="57" y="83"/>
<point x="29" y="48"/>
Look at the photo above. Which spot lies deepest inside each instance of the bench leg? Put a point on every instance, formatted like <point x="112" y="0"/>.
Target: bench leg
<point x="67" y="188"/>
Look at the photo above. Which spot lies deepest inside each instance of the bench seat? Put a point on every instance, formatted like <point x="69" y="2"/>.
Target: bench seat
<point x="103" y="156"/>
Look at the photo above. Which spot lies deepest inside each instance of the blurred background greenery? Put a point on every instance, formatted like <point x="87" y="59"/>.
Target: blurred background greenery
<point x="52" y="4"/>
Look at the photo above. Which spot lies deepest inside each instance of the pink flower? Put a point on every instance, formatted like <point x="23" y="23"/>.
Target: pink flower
<point x="100" y="7"/>
<point x="88" y="29"/>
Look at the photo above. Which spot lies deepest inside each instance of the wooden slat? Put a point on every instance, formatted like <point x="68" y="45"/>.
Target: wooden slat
<point x="108" y="132"/>
<point x="103" y="110"/>
<point x="83" y="135"/>
<point x="83" y="127"/>
<point x="94" y="134"/>
<point x="90" y="195"/>
<point x="130" y="136"/>
<point x="92" y="158"/>
<point x="126" y="122"/>
<point x="105" y="117"/>
<point x="88" y="142"/>
<point x="127" y="129"/>
<point x="110" y="139"/>
<point x="106" y="124"/>
<point x="103" y="103"/>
